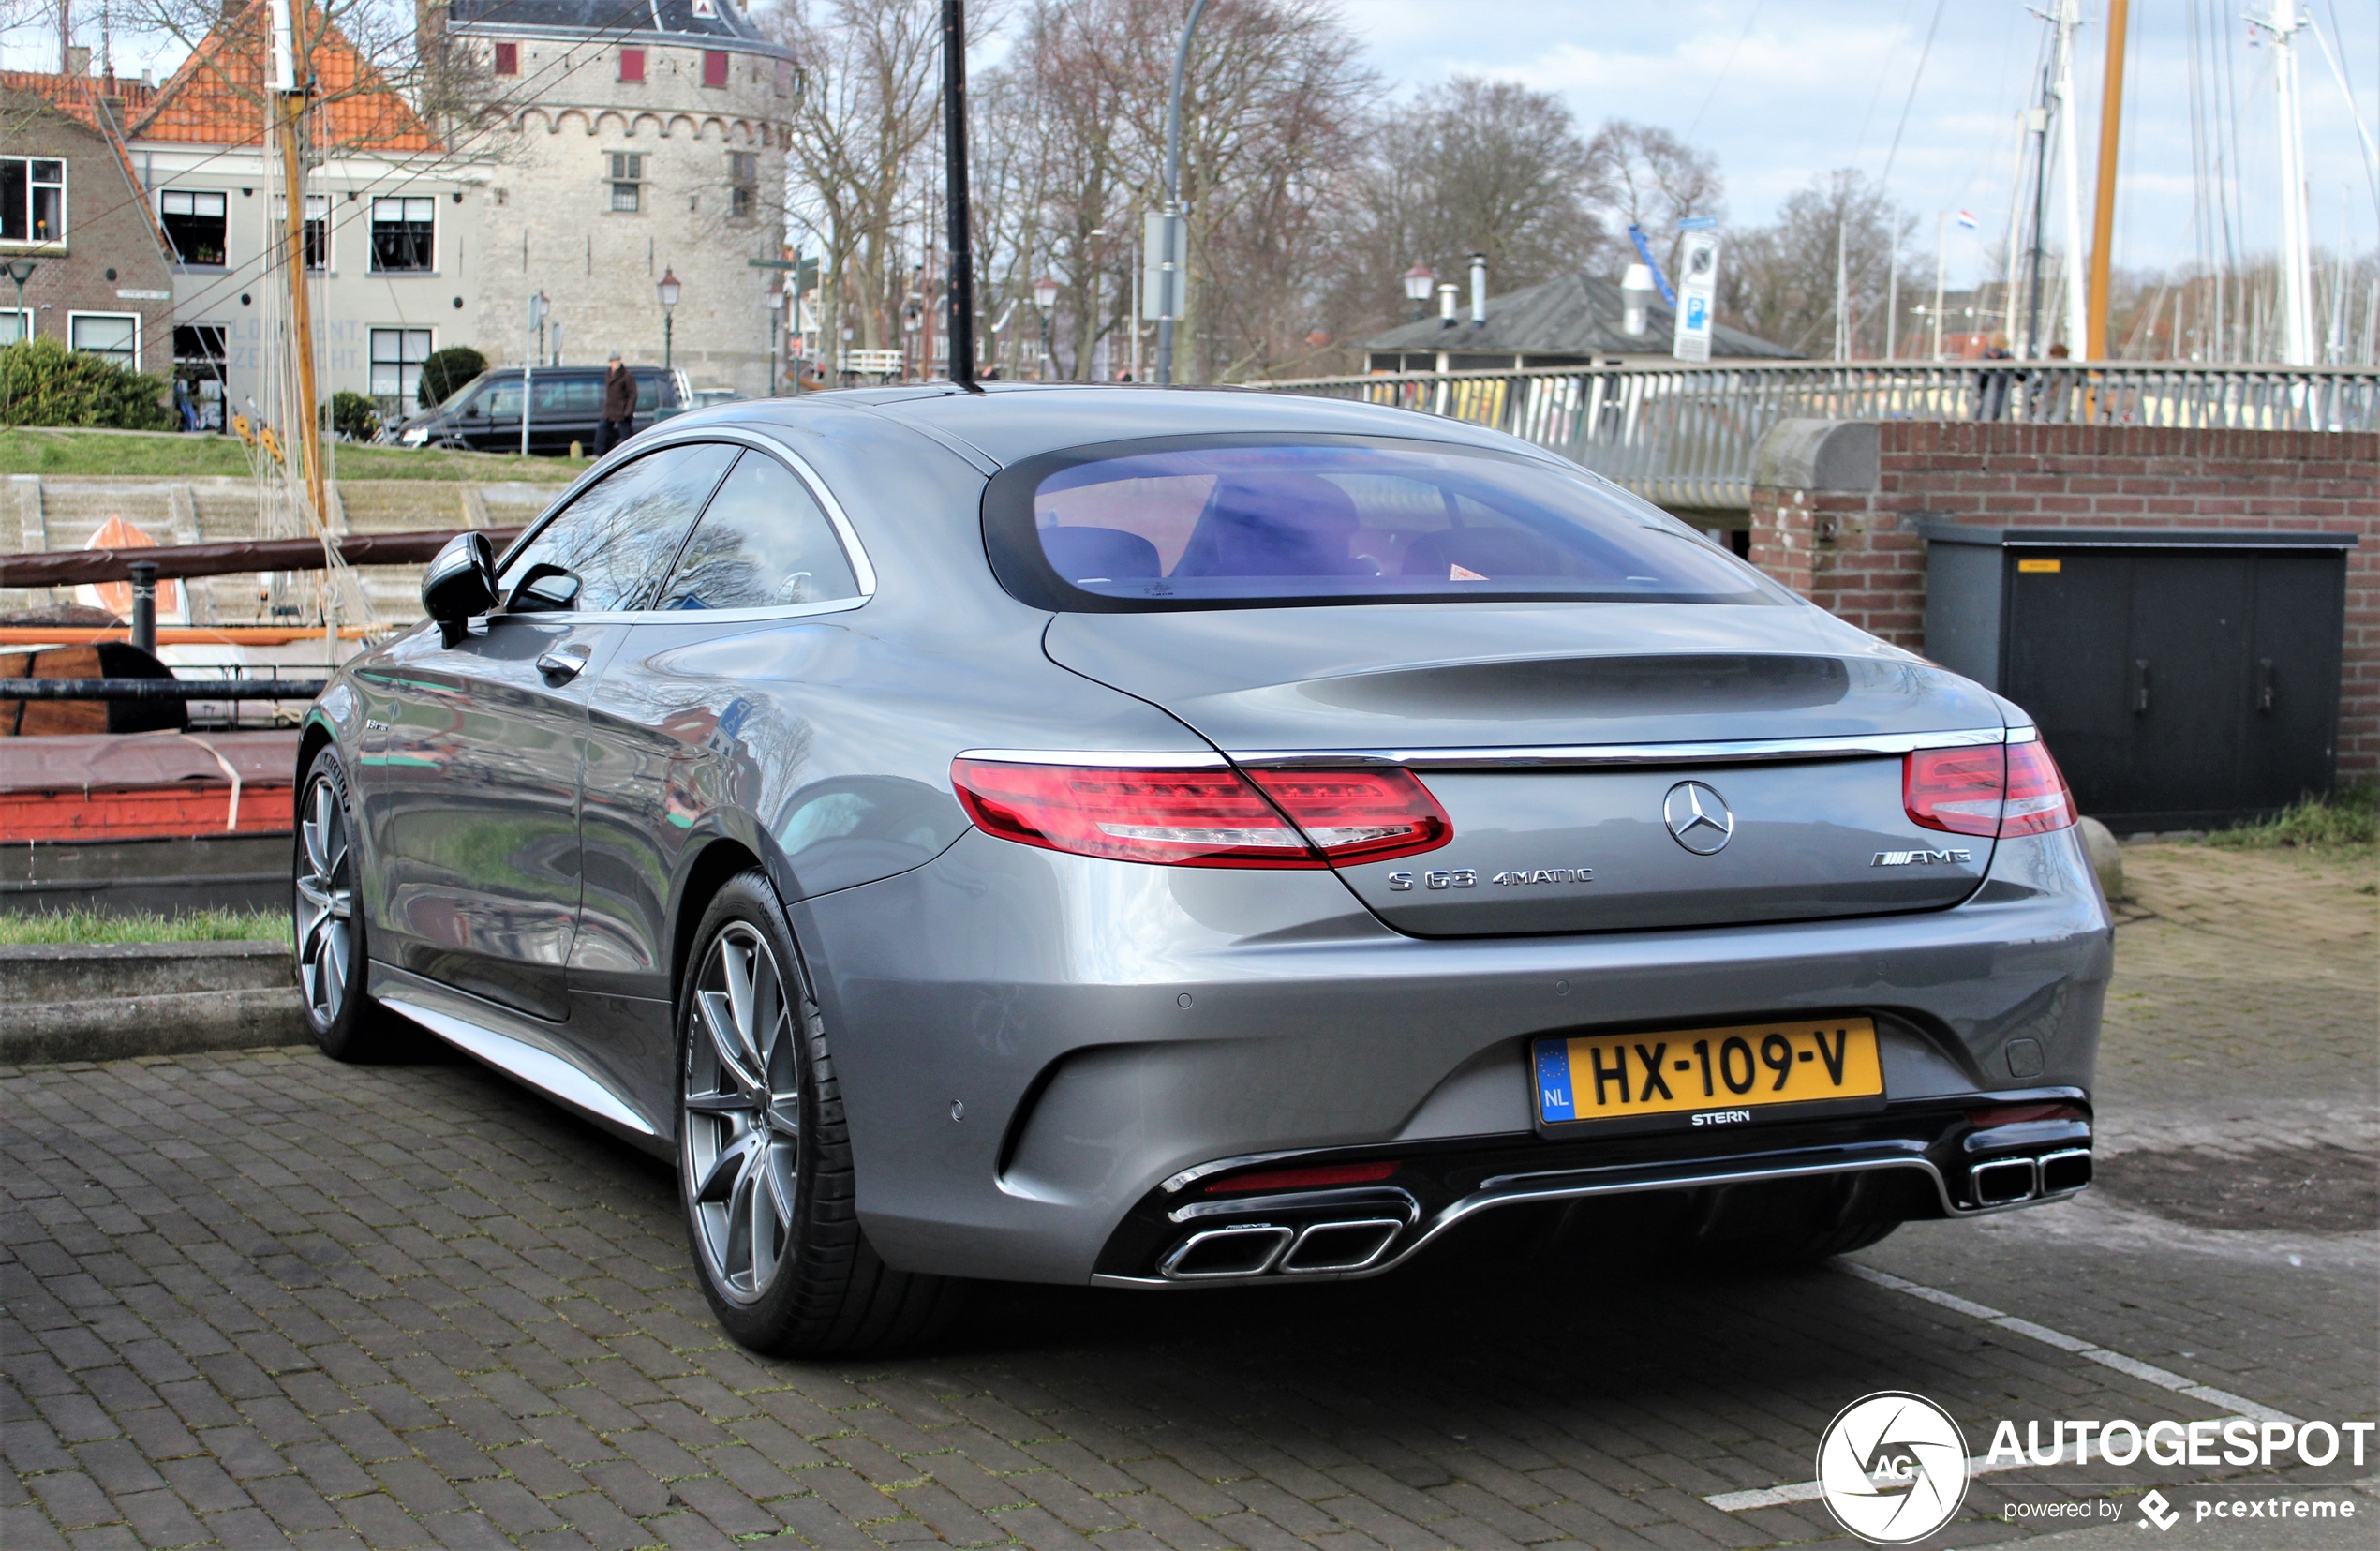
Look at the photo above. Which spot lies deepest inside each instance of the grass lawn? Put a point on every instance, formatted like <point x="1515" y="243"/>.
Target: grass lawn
<point x="91" y="926"/>
<point x="155" y="454"/>
<point x="2346" y="823"/>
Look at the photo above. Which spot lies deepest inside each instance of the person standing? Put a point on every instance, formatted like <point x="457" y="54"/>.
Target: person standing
<point x="619" y="407"/>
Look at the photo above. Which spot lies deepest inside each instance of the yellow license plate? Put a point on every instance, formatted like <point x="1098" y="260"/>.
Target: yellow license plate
<point x="1721" y="1071"/>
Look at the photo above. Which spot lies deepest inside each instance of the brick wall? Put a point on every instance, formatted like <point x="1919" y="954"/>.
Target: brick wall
<point x="1850" y="548"/>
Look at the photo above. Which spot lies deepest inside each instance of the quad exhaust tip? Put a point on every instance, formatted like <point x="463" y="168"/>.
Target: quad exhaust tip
<point x="1253" y="1249"/>
<point x="2004" y="1182"/>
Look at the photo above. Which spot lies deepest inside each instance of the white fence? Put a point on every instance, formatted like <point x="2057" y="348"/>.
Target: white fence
<point x="1684" y="436"/>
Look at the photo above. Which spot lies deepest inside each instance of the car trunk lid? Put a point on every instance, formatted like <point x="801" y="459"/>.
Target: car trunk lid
<point x="1600" y="763"/>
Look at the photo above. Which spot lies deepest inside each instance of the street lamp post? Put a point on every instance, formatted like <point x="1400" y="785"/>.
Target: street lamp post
<point x="669" y="288"/>
<point x="20" y="270"/>
<point x="1419" y="282"/>
<point x="1173" y="177"/>
<point x="1044" y="296"/>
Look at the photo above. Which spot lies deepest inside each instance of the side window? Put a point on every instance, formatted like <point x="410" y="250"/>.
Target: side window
<point x="762" y="542"/>
<point x="648" y="395"/>
<point x="615" y="539"/>
<point x="498" y="401"/>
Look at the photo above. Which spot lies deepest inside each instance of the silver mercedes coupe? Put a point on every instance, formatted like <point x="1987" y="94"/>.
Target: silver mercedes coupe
<point x="1168" y="839"/>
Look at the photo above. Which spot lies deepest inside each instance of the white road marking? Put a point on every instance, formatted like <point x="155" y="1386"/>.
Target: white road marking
<point x="2148" y="1373"/>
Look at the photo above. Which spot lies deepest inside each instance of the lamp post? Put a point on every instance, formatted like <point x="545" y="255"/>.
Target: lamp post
<point x="20" y="270"/>
<point x="1173" y="177"/>
<point x="1419" y="282"/>
<point x="668" y="286"/>
<point x="1044" y="296"/>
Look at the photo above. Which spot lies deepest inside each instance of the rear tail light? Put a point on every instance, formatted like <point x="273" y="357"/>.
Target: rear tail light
<point x="1203" y="817"/>
<point x="1995" y="789"/>
<point x="1360" y="816"/>
<point x="2038" y="800"/>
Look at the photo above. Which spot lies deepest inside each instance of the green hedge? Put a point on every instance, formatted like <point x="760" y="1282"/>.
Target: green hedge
<point x="44" y="383"/>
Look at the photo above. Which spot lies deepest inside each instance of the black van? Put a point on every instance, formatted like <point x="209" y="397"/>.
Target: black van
<point x="566" y="404"/>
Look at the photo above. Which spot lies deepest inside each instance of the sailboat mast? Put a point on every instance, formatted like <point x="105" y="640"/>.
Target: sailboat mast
<point x="289" y="124"/>
<point x="2103" y="215"/>
<point x="2070" y="172"/>
<point x="2296" y="320"/>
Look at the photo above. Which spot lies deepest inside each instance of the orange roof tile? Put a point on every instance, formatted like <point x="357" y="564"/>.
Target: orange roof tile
<point x="217" y="97"/>
<point x="78" y="97"/>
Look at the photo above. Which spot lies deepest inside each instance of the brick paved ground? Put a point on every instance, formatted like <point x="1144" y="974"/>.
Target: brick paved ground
<point x="263" y="1298"/>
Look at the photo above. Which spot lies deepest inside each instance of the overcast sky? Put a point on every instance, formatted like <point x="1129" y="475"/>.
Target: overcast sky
<point x="1783" y="90"/>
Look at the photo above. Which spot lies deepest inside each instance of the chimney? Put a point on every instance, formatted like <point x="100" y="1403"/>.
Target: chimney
<point x="1636" y="296"/>
<point x="1479" y="289"/>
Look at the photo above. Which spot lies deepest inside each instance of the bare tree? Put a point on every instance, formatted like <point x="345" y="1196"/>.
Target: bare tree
<point x="1779" y="281"/>
<point x="1639" y="175"/>
<point x="866" y="109"/>
<point x="1474" y="166"/>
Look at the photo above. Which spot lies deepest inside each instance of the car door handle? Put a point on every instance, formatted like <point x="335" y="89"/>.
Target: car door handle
<point x="2140" y="686"/>
<point x="2265" y="689"/>
<point x="564" y="662"/>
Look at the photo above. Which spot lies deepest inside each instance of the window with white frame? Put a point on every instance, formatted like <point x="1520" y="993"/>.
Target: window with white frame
<point x="198" y="223"/>
<point x="33" y="199"/>
<point x="113" y="337"/>
<point x="318" y="228"/>
<point x="397" y="355"/>
<point x="404" y="235"/>
<point x="15" y="327"/>
<point x="628" y="178"/>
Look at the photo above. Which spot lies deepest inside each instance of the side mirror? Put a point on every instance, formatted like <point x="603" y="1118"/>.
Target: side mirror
<point x="459" y="584"/>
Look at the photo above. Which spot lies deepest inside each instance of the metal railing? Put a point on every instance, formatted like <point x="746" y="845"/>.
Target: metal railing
<point x="1685" y="436"/>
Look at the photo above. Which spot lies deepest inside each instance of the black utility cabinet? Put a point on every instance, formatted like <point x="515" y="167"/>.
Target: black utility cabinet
<point x="2184" y="680"/>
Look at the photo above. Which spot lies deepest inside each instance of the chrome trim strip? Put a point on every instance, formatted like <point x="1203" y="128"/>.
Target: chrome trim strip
<point x="1173" y="1185"/>
<point x="863" y="571"/>
<point x="1359" y="1198"/>
<point x="1107" y="759"/>
<point x="1569" y="757"/>
<point x="540" y="1069"/>
<point x="2023" y="734"/>
<point x="1634" y="1180"/>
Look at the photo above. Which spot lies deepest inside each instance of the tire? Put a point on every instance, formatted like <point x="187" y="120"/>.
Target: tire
<point x="328" y="929"/>
<point x="765" y="1165"/>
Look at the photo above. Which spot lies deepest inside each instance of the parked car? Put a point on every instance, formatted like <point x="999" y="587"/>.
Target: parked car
<point x="705" y="398"/>
<point x="1163" y="839"/>
<point x="566" y="404"/>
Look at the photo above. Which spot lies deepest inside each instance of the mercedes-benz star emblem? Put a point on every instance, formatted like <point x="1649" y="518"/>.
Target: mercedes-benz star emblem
<point x="1697" y="818"/>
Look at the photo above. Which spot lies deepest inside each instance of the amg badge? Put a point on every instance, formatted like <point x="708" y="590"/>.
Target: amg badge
<point x="1919" y="858"/>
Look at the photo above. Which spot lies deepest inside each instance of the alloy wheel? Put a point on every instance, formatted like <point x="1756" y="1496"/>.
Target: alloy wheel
<point x="325" y="902"/>
<point x="743" y="1114"/>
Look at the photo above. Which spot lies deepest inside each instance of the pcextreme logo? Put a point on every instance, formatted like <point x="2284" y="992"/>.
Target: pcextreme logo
<point x="1892" y="1468"/>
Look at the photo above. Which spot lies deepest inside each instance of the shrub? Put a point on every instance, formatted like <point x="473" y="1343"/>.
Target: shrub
<point x="447" y="370"/>
<point x="354" y="416"/>
<point x="44" y="383"/>
<point x="2348" y="817"/>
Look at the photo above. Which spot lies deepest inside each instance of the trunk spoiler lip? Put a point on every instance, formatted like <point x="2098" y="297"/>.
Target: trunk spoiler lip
<point x="1523" y="757"/>
<point x="1593" y="755"/>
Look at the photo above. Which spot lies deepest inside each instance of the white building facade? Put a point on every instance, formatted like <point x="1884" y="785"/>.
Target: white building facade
<point x="622" y="148"/>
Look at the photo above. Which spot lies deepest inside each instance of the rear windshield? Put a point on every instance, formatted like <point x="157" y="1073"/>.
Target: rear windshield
<point x="1371" y="522"/>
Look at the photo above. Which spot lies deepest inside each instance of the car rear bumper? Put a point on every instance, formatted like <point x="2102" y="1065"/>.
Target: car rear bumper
<point x="1029" y="1044"/>
<point x="1200" y="1230"/>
